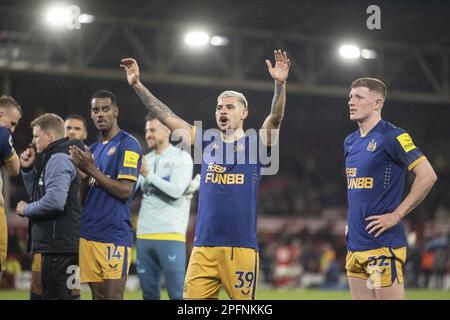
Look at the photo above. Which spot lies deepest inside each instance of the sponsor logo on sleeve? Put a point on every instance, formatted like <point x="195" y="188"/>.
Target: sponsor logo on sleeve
<point x="131" y="159"/>
<point x="406" y="142"/>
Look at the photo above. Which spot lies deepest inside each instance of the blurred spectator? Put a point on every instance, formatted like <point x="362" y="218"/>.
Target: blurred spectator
<point x="413" y="262"/>
<point x="329" y="267"/>
<point x="12" y="270"/>
<point x="287" y="266"/>
<point x="427" y="266"/>
<point x="440" y="260"/>
<point x="266" y="254"/>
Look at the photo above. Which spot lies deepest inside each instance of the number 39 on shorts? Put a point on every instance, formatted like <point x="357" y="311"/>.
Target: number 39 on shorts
<point x="244" y="279"/>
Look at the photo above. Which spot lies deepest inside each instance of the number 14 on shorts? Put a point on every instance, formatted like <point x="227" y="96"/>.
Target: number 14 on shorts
<point x="113" y="252"/>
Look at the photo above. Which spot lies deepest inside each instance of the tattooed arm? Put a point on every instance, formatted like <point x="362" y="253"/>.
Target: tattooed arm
<point x="154" y="106"/>
<point x="280" y="74"/>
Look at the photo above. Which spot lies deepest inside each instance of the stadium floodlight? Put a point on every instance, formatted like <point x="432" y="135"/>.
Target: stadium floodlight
<point x="196" y="38"/>
<point x="68" y="16"/>
<point x="86" y="18"/>
<point x="349" y="51"/>
<point x="219" y="41"/>
<point x="368" y="54"/>
<point x="57" y="16"/>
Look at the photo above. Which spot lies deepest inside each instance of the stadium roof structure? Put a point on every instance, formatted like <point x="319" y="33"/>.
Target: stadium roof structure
<point x="412" y="46"/>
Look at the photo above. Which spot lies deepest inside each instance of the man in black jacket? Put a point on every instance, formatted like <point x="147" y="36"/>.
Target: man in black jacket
<point x="75" y="129"/>
<point x="55" y="211"/>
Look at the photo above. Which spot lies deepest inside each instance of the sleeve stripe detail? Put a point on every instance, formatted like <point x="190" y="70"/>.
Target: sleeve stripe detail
<point x="127" y="177"/>
<point x="415" y="163"/>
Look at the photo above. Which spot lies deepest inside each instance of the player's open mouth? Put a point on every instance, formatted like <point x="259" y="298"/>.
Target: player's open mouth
<point x="223" y="120"/>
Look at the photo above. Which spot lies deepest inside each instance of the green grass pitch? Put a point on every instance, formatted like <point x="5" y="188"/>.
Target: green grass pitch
<point x="263" y="294"/>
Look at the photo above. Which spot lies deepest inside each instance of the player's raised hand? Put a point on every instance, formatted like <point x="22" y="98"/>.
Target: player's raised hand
<point x="27" y="157"/>
<point x="132" y="70"/>
<point x="280" y="71"/>
<point x="381" y="223"/>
